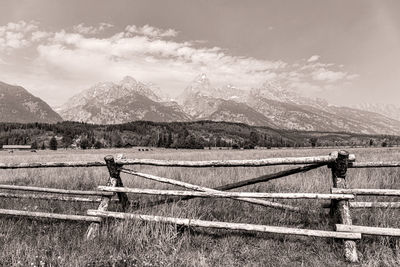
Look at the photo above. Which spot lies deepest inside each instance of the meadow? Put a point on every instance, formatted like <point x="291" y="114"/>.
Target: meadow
<point x="25" y="242"/>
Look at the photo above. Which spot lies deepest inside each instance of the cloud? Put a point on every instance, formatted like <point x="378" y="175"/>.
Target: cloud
<point x="323" y="74"/>
<point x="150" y="59"/>
<point x="40" y="35"/>
<point x="151" y="31"/>
<point x="313" y="58"/>
<point x="82" y="29"/>
<point x="16" y="35"/>
<point x="69" y="61"/>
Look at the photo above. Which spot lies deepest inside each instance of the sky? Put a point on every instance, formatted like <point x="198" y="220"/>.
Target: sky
<point x="347" y="52"/>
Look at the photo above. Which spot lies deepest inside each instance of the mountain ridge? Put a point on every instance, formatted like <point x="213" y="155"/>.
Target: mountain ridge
<point x="270" y="105"/>
<point x="18" y="105"/>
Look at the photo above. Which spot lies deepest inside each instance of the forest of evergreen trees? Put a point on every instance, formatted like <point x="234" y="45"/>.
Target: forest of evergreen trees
<point x="193" y="135"/>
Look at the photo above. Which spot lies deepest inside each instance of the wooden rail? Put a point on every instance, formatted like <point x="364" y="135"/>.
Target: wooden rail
<point x="232" y="163"/>
<point x="177" y="163"/>
<point x="387" y="205"/>
<point x="379" y="164"/>
<point x="49" y="197"/>
<point x="33" y="165"/>
<point x="219" y="194"/>
<point x="47" y="215"/>
<point x="55" y="190"/>
<point x="368" y="230"/>
<point x="363" y="205"/>
<point x="369" y="192"/>
<point x="225" y="225"/>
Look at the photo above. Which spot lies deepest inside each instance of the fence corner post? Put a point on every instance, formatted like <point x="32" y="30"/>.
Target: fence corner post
<point x="122" y="197"/>
<point x="114" y="181"/>
<point x="340" y="209"/>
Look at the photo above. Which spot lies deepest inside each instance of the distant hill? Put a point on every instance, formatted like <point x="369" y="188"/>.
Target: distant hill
<point x="18" y="105"/>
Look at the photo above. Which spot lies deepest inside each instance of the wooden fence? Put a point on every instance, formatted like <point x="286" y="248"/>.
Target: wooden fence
<point x="340" y="196"/>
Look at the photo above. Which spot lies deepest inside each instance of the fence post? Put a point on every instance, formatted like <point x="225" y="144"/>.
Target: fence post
<point x="340" y="209"/>
<point x="114" y="181"/>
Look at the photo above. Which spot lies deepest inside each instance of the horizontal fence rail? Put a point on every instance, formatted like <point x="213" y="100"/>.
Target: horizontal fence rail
<point x="225" y="225"/>
<point x="388" y="205"/>
<point x="368" y="230"/>
<point x="379" y="164"/>
<point x="55" y="190"/>
<point x="232" y="163"/>
<point x="365" y="205"/>
<point x="49" y="197"/>
<point x="369" y="192"/>
<point x="225" y="194"/>
<point x="195" y="164"/>
<point x="33" y="165"/>
<point x="32" y="214"/>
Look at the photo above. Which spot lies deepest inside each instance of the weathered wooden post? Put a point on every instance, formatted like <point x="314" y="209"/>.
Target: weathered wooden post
<point x="114" y="181"/>
<point x="340" y="209"/>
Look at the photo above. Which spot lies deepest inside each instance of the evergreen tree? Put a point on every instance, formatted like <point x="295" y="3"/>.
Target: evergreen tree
<point x="53" y="143"/>
<point x="34" y="145"/>
<point x="67" y="141"/>
<point x="170" y="141"/>
<point x="254" y="138"/>
<point x="84" y="143"/>
<point x="98" y="145"/>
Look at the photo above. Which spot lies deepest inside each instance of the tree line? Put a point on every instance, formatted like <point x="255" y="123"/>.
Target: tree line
<point x="191" y="135"/>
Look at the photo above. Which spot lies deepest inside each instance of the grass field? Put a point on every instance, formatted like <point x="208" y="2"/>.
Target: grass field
<point x="50" y="243"/>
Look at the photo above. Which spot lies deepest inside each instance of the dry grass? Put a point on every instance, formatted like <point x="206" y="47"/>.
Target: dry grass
<point x="25" y="242"/>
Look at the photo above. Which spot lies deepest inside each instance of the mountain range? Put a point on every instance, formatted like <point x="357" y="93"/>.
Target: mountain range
<point x="270" y="105"/>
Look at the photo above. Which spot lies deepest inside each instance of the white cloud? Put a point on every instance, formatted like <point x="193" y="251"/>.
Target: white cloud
<point x="16" y="35"/>
<point x="150" y="31"/>
<point x="313" y="58"/>
<point x="323" y="74"/>
<point x="352" y="76"/>
<point x="82" y="29"/>
<point x="40" y="35"/>
<point x="70" y="61"/>
<point x="21" y="26"/>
